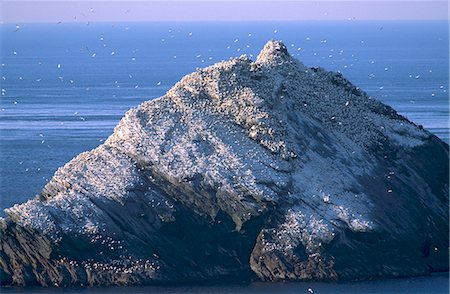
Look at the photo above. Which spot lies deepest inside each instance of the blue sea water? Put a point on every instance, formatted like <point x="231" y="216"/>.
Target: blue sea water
<point x="434" y="284"/>
<point x="65" y="86"/>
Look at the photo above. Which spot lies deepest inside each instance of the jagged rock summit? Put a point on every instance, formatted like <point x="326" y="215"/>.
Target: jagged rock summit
<point x="244" y="170"/>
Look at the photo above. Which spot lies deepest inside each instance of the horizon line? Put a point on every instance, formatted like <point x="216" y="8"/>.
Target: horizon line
<point x="220" y="21"/>
<point x="38" y="11"/>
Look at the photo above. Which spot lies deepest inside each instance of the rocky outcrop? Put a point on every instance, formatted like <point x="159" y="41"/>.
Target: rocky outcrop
<point x="243" y="170"/>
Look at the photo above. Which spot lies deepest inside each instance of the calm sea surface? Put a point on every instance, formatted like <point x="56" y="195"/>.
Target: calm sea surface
<point x="434" y="284"/>
<point x="64" y="87"/>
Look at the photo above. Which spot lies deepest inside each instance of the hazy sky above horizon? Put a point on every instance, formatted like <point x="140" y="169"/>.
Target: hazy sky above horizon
<point x="21" y="11"/>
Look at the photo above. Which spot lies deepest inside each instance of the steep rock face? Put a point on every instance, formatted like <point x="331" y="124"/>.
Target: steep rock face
<point x="244" y="169"/>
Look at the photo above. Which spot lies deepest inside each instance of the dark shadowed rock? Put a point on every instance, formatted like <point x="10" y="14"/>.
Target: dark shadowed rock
<point x="243" y="170"/>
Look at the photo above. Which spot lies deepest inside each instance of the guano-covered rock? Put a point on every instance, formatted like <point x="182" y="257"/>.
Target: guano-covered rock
<point x="244" y="170"/>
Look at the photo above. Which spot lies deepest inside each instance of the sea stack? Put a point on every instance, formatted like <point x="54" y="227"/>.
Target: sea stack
<point x="244" y="170"/>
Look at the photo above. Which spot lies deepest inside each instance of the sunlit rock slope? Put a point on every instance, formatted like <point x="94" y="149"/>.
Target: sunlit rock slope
<point x="244" y="170"/>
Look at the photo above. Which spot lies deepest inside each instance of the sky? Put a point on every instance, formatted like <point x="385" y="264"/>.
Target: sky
<point x="29" y="11"/>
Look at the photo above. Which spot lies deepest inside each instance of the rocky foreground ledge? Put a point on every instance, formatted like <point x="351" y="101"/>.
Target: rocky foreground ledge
<point x="243" y="170"/>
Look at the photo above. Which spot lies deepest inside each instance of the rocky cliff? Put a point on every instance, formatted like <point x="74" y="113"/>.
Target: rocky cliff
<point x="243" y="170"/>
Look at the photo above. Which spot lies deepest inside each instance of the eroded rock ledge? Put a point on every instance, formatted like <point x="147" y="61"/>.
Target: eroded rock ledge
<point x="243" y="170"/>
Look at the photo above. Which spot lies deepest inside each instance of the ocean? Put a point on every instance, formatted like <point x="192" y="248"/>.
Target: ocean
<point x="65" y="86"/>
<point x="436" y="283"/>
